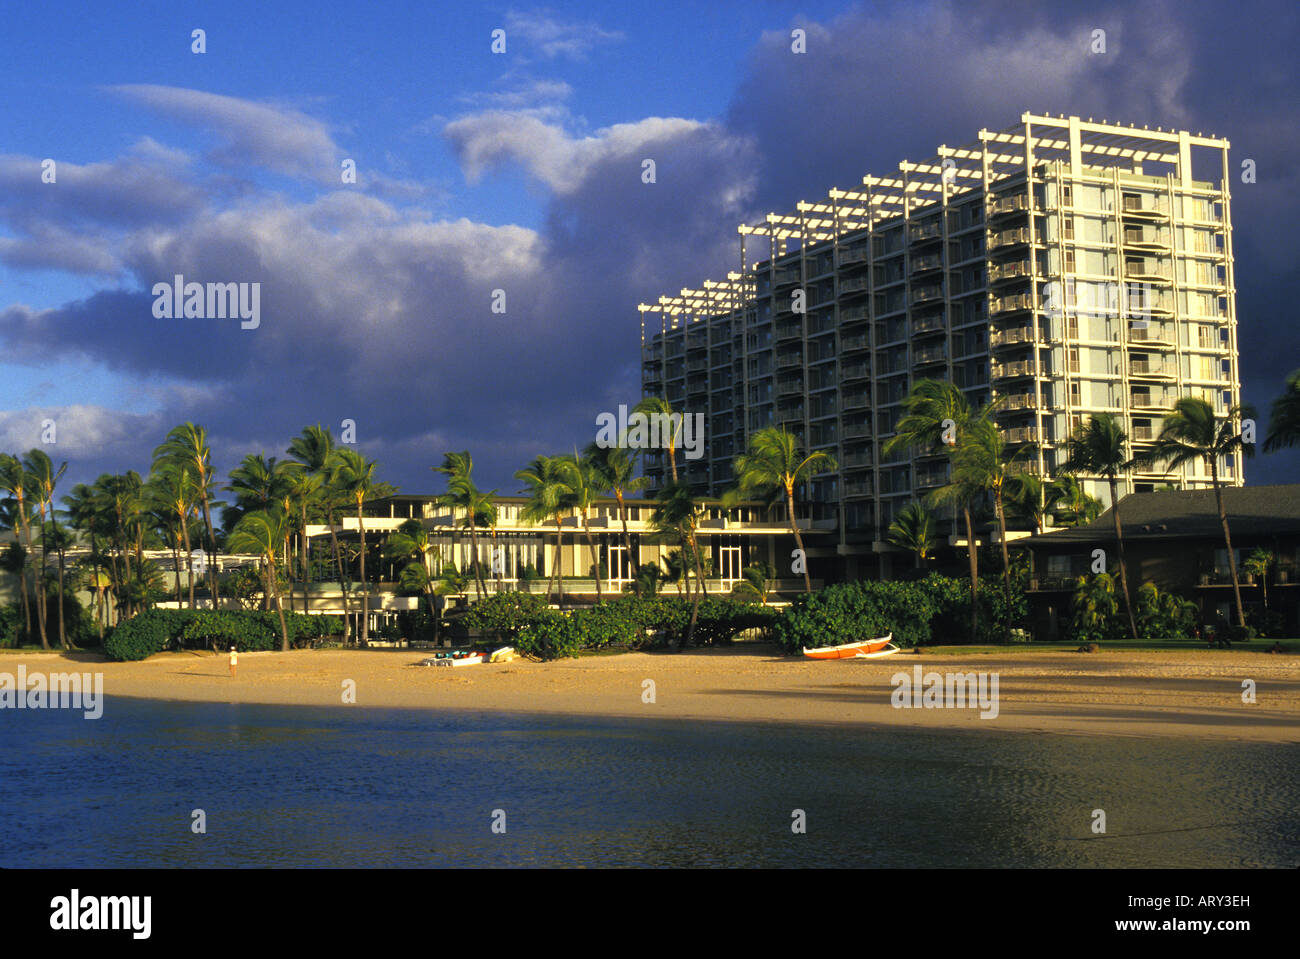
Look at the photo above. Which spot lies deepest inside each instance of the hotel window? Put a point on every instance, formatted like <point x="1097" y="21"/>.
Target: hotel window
<point x="1067" y="195"/>
<point x="1067" y="227"/>
<point x="1073" y="362"/>
<point x="1069" y="261"/>
<point x="1076" y="398"/>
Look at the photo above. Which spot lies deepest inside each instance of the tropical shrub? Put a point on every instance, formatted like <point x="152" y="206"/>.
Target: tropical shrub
<point x="1095" y="610"/>
<point x="142" y="635"/>
<point x="1163" y="615"/>
<point x="505" y="614"/>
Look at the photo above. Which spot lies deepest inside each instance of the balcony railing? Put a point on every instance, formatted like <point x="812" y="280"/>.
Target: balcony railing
<point x="853" y="314"/>
<point x="1009" y="271"/>
<point x="1023" y="334"/>
<point x="853" y="256"/>
<point x="926" y="231"/>
<point x="858" y="342"/>
<point x="789" y="360"/>
<point x="1008" y="204"/>
<point x="1148" y="368"/>
<point x="935" y="354"/>
<point x="927" y="294"/>
<point x="1006" y="304"/>
<point x="1146" y="401"/>
<point x="1020" y="368"/>
<point x="1010" y="237"/>
<point x="1019" y="401"/>
<point x="931" y="261"/>
<point x="1021" y="434"/>
<point x="856" y="284"/>
<point x="929" y="324"/>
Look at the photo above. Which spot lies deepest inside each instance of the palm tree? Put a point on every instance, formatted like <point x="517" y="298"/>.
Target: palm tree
<point x="678" y="512"/>
<point x="1099" y="447"/>
<point x="1029" y="497"/>
<point x="84" y="510"/>
<point x="1258" y="564"/>
<point x="544" y="479"/>
<point x="463" y="494"/>
<point x="187" y="445"/>
<point x="937" y="416"/>
<point x="44" y="477"/>
<point x="314" y="448"/>
<point x="913" y="529"/>
<point x="411" y="541"/>
<point x="1073" y="505"/>
<point x="263" y="532"/>
<point x="303" y="492"/>
<point x="774" y="464"/>
<point x="1193" y="432"/>
<point x="982" y="455"/>
<point x="1284" y="417"/>
<point x="616" y="468"/>
<point x="173" y="485"/>
<point x="355" y="475"/>
<point x="960" y="492"/>
<point x="13" y="481"/>
<point x="584" y="482"/>
<point x="755" y="581"/>
<point x="657" y="406"/>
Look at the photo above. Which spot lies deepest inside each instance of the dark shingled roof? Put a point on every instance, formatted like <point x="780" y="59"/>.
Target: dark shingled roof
<point x="1253" y="511"/>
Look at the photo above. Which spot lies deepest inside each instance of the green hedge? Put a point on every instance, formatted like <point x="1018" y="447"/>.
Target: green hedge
<point x="935" y="609"/>
<point x="158" y="629"/>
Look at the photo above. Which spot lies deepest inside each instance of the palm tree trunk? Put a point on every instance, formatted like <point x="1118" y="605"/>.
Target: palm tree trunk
<point x="42" y="613"/>
<point x="1006" y="562"/>
<point x="189" y="553"/>
<point x="798" y="540"/>
<point x="305" y="557"/>
<point x="633" y="563"/>
<point x="1123" y="566"/>
<point x="695" y="600"/>
<point x="279" y="606"/>
<point x="974" y="574"/>
<point x="595" y="556"/>
<point x="338" y="561"/>
<point x="365" y="587"/>
<point x="176" y="572"/>
<point x="555" y="566"/>
<point x="27" y="606"/>
<point x="480" y="587"/>
<point x="1227" y="539"/>
<point x="211" y="546"/>
<point x="63" y="633"/>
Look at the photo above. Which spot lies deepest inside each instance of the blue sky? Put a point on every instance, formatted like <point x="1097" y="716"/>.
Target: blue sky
<point x="516" y="171"/>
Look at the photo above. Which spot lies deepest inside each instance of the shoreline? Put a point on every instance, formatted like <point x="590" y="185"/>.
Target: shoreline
<point x="1193" y="694"/>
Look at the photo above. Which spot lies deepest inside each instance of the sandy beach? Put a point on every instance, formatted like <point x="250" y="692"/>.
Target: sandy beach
<point x="1185" y="693"/>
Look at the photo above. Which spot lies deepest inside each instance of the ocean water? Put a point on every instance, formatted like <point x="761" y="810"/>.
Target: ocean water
<point x="350" y="786"/>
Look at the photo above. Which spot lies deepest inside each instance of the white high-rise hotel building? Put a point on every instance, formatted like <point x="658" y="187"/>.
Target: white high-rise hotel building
<point x="1069" y="266"/>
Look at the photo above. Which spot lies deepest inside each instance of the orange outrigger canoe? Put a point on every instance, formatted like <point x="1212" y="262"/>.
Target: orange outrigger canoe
<point x="866" y="649"/>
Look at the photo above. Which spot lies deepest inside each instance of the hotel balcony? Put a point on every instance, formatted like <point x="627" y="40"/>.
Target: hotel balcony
<point x="789" y="360"/>
<point x="854" y="285"/>
<point x="1004" y="338"/>
<point x="1016" y="237"/>
<point x="1142" y="207"/>
<point x="850" y="257"/>
<point x="1016" y="270"/>
<point x="1010" y="370"/>
<point x="1009" y="304"/>
<point x="858" y="431"/>
<point x="927" y="294"/>
<point x="1147" y="271"/>
<point x="855" y="371"/>
<point x="1143" y="434"/>
<point x="789" y="388"/>
<point x="933" y="323"/>
<point x="856" y="399"/>
<point x="1145" y="239"/>
<point x="935" y="354"/>
<point x="1018" y="203"/>
<point x="853" y="314"/>
<point x="1021" y="434"/>
<point x="929" y="479"/>
<point x="924" y="264"/>
<point x="787" y="276"/>
<point x="1018" y="401"/>
<point x="857" y="341"/>
<point x="1147" y="401"/>
<point x="1148" y="369"/>
<point x="930" y="231"/>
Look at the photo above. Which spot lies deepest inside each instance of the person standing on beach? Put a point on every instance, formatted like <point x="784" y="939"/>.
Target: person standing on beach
<point x="234" y="661"/>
